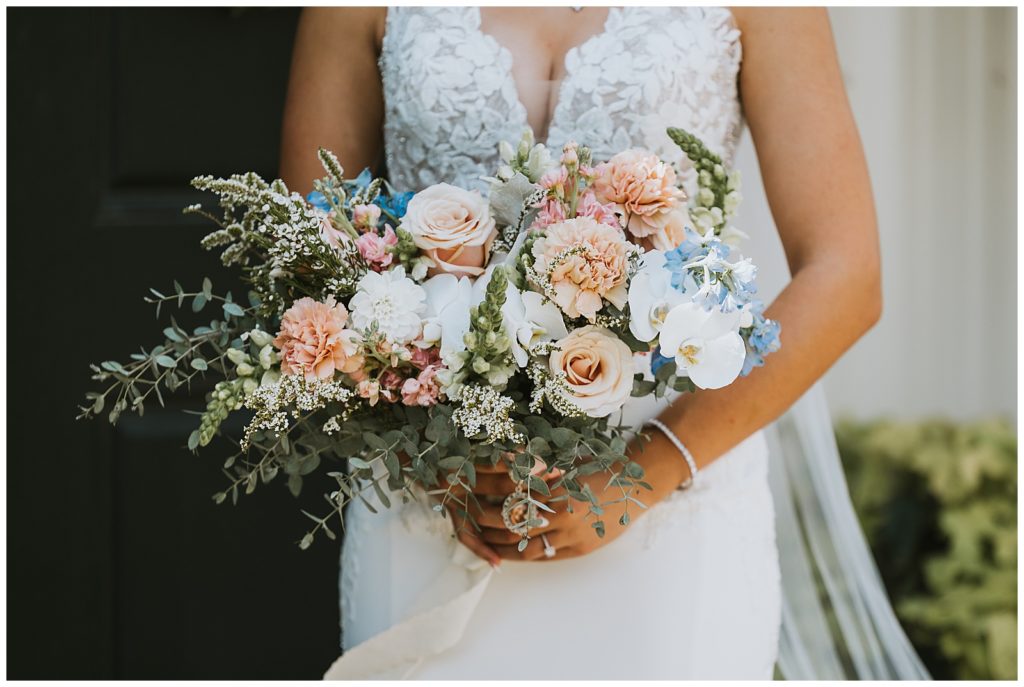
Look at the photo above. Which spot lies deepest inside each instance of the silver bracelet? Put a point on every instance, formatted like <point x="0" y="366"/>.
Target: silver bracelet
<point x="687" y="456"/>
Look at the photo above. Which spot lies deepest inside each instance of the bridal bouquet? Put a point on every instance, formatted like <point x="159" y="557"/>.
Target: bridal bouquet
<point x="401" y="340"/>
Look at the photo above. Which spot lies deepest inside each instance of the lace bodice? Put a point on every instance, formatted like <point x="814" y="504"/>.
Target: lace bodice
<point x="450" y="96"/>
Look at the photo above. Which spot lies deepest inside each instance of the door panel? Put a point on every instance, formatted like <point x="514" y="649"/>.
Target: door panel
<point x="119" y="563"/>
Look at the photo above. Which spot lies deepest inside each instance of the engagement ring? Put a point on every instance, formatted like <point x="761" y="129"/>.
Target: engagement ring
<point x="549" y="550"/>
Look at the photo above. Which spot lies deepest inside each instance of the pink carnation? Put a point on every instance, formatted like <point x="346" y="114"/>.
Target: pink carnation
<point x="421" y="390"/>
<point x="375" y="248"/>
<point x="604" y="213"/>
<point x="642" y="187"/>
<point x="314" y="342"/>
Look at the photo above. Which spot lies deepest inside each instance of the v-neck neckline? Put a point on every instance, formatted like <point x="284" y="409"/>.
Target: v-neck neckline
<point x="502" y="50"/>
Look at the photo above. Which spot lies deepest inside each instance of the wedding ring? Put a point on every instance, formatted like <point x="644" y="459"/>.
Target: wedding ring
<point x="549" y="550"/>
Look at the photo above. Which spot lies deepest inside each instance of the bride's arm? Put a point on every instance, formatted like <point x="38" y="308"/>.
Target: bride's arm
<point x="334" y="93"/>
<point x="820" y="196"/>
<point x="818" y="189"/>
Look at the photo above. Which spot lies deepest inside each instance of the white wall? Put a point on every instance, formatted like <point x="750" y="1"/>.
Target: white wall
<point x="934" y="94"/>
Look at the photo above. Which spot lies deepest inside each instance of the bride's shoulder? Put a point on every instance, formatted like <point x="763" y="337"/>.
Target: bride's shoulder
<point x="753" y="19"/>
<point x="351" y="22"/>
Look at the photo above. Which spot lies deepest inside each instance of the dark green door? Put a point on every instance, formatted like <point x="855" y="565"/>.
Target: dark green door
<point x="119" y="563"/>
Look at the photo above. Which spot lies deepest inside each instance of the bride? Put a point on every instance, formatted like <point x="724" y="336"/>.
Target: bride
<point x="693" y="587"/>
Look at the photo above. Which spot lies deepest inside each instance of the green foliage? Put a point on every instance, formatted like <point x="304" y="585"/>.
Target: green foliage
<point x="938" y="502"/>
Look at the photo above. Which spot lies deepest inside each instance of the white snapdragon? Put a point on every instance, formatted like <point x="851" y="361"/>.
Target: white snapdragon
<point x="706" y="344"/>
<point x="651" y="296"/>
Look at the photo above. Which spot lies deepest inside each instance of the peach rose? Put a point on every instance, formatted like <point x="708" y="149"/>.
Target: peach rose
<point x="453" y="227"/>
<point x="598" y="369"/>
<point x="314" y="342"/>
<point x="585" y="261"/>
<point x="642" y="187"/>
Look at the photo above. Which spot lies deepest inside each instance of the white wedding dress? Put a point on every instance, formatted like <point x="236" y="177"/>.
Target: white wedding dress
<point x="692" y="588"/>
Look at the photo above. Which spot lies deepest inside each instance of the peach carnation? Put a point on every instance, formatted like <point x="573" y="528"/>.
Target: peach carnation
<point x="314" y="342"/>
<point x="642" y="187"/>
<point x="585" y="261"/>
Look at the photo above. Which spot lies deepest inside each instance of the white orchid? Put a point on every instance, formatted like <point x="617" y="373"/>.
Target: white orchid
<point x="446" y="322"/>
<point x="706" y="344"/>
<point x="651" y="296"/>
<point x="527" y="319"/>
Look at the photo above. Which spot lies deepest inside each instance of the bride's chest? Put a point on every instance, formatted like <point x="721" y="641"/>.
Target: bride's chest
<point x="451" y="91"/>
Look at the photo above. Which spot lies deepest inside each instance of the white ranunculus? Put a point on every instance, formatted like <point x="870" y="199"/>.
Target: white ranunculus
<point x="706" y="344"/>
<point x="651" y="296"/>
<point x="392" y="300"/>
<point x="449" y="299"/>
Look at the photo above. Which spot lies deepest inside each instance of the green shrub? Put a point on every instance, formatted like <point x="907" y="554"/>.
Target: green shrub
<point x="938" y="502"/>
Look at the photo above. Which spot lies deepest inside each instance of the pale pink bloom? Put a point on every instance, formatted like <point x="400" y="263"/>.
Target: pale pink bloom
<point x="314" y="342"/>
<point x="551" y="211"/>
<point x="453" y="227"/>
<point x="589" y="206"/>
<point x="421" y="390"/>
<point x="365" y="217"/>
<point x="334" y="237"/>
<point x="422" y="358"/>
<point x="556" y="182"/>
<point x="391" y="380"/>
<point x="585" y="262"/>
<point x="642" y="187"/>
<point x="570" y="156"/>
<point x="370" y="390"/>
<point x="375" y="248"/>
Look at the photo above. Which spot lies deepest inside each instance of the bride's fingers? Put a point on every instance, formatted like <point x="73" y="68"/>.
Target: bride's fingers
<point x="503" y="535"/>
<point x="474" y="543"/>
<point x="534" y="550"/>
<point x="490" y="516"/>
<point x="493" y="484"/>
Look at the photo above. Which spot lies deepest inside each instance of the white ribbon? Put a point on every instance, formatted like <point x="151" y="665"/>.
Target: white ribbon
<point x="395" y="653"/>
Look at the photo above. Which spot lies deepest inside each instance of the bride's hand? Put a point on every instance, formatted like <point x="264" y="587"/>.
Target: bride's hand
<point x="491" y="483"/>
<point x="572" y="534"/>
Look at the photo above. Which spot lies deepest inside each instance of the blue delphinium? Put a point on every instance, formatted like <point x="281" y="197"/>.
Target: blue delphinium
<point x="319" y="201"/>
<point x="762" y="339"/>
<point x="394" y="204"/>
<point x="657" y="360"/>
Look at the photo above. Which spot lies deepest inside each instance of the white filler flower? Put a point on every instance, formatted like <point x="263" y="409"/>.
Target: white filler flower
<point x="706" y="344"/>
<point x="392" y="300"/>
<point x="651" y="297"/>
